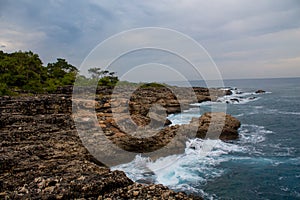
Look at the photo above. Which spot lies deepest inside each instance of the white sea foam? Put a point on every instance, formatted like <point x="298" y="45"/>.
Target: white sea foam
<point x="239" y="115"/>
<point x="289" y="113"/>
<point x="202" y="159"/>
<point x="239" y="97"/>
<point x="295" y="161"/>
<point x="182" y="118"/>
<point x="188" y="171"/>
<point x="258" y="107"/>
<point x="191" y="170"/>
<point x="250" y="133"/>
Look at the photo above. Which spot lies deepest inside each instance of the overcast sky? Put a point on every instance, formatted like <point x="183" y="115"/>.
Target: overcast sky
<point x="245" y="38"/>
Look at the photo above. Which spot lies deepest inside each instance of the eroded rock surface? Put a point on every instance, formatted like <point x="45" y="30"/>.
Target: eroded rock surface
<point x="42" y="157"/>
<point x="216" y="125"/>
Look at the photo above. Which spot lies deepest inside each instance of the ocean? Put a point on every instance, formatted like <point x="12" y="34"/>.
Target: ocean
<point x="264" y="163"/>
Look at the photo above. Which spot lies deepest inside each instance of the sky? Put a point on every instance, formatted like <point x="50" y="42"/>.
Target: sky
<point x="245" y="38"/>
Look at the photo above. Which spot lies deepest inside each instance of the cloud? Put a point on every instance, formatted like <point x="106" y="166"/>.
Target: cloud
<point x="235" y="32"/>
<point x="15" y="38"/>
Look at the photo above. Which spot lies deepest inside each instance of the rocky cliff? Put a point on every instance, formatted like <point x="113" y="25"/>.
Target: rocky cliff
<point x="42" y="157"/>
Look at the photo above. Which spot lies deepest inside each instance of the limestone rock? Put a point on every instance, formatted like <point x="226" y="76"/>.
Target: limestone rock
<point x="42" y="156"/>
<point x="220" y="126"/>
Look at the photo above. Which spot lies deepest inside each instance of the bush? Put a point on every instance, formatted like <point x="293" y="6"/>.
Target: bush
<point x="4" y="90"/>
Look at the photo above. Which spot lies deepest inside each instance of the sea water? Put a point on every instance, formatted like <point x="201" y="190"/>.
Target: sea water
<point x="264" y="163"/>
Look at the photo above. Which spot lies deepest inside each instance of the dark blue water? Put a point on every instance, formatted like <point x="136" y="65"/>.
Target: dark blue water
<point x="272" y="169"/>
<point x="264" y="163"/>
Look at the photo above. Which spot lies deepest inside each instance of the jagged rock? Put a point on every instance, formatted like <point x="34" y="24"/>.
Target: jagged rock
<point x="42" y="156"/>
<point x="150" y="192"/>
<point x="260" y="91"/>
<point x="223" y="126"/>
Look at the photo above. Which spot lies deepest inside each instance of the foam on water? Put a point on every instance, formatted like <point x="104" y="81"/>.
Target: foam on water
<point x="251" y="133"/>
<point x="295" y="161"/>
<point x="187" y="172"/>
<point x="239" y="97"/>
<point x="196" y="166"/>
<point x="210" y="161"/>
<point x="191" y="171"/>
<point x="182" y="118"/>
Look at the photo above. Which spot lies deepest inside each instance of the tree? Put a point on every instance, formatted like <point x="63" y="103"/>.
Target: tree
<point x="60" y="73"/>
<point x="103" y="77"/>
<point x="60" y="68"/>
<point x="20" y="70"/>
<point x="25" y="71"/>
<point x="95" y="72"/>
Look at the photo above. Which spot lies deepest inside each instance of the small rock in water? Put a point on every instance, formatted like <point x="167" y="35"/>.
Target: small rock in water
<point x="235" y="100"/>
<point x="260" y="91"/>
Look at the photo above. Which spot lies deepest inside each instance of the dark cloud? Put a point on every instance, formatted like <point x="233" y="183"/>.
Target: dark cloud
<point x="70" y="29"/>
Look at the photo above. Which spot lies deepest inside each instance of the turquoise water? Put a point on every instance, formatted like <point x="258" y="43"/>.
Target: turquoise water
<point x="264" y="163"/>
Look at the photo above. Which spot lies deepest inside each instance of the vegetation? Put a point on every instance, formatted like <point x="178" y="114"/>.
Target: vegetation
<point x="105" y="77"/>
<point x="153" y="85"/>
<point x="24" y="72"/>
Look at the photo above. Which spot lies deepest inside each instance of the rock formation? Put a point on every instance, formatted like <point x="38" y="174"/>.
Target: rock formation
<point x="217" y="126"/>
<point x="42" y="157"/>
<point x="260" y="92"/>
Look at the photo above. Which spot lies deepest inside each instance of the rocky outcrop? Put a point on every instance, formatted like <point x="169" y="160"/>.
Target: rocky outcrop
<point x="260" y="91"/>
<point x="42" y="157"/>
<point x="216" y="126"/>
<point x="150" y="192"/>
<point x="138" y="124"/>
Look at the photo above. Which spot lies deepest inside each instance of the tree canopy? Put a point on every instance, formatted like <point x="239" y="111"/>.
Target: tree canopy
<point x="24" y="71"/>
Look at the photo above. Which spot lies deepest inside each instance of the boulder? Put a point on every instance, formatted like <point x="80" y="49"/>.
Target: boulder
<point x="216" y="125"/>
<point x="260" y="92"/>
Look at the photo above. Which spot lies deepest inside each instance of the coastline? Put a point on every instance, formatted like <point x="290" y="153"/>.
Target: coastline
<point x="43" y="157"/>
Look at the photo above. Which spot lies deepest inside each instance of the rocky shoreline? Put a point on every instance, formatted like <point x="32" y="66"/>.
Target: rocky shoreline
<point x="42" y="156"/>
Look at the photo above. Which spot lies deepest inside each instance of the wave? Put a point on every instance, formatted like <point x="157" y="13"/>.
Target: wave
<point x="262" y="110"/>
<point x="251" y="133"/>
<point x="250" y="136"/>
<point x="239" y="97"/>
<point x="196" y="167"/>
<point x="276" y="111"/>
<point x="187" y="172"/>
<point x="295" y="161"/>
<point x="289" y="113"/>
<point x="182" y="118"/>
